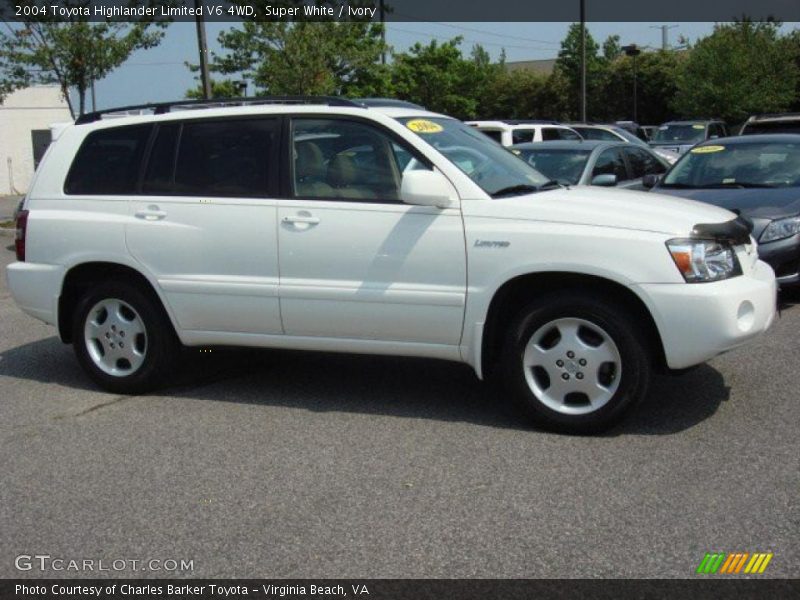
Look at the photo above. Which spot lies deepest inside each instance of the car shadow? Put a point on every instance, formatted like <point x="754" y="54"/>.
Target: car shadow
<point x="401" y="387"/>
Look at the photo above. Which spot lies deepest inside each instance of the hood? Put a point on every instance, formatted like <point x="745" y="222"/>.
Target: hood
<point x="763" y="203"/>
<point x="610" y="207"/>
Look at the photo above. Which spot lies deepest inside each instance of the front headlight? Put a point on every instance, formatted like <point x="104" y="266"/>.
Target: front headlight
<point x="780" y="229"/>
<point x="704" y="260"/>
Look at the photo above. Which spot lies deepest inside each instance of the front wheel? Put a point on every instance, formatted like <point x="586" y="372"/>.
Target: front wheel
<point x="122" y="338"/>
<point x="575" y="363"/>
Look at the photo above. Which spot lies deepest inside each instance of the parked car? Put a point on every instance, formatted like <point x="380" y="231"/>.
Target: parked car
<point x="679" y="136"/>
<point x="613" y="133"/>
<point x="232" y="226"/>
<point x="757" y="176"/>
<point x="633" y="128"/>
<point x="649" y="131"/>
<point x="592" y="162"/>
<point x="508" y="133"/>
<point x="771" y="123"/>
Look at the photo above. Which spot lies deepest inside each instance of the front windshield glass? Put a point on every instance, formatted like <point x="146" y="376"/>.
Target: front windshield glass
<point x="565" y="166"/>
<point x="685" y="133"/>
<point x="737" y="165"/>
<point x="496" y="170"/>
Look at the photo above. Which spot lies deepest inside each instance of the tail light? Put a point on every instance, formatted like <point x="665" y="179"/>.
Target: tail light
<point x="22" y="227"/>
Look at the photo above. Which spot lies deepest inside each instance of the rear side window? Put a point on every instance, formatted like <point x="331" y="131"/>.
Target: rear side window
<point x="550" y="133"/>
<point x="523" y="136"/>
<point x="231" y="157"/>
<point x="496" y="135"/>
<point x="108" y="161"/>
<point x="568" y="134"/>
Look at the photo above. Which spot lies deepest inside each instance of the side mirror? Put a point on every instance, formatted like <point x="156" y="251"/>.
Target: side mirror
<point x="650" y="180"/>
<point x="605" y="180"/>
<point x="427" y="188"/>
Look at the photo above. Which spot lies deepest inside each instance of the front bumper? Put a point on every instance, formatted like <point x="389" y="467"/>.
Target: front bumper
<point x="701" y="320"/>
<point x="35" y="288"/>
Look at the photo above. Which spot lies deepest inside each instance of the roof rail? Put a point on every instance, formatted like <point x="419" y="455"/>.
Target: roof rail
<point x="160" y="108"/>
<point x="788" y="115"/>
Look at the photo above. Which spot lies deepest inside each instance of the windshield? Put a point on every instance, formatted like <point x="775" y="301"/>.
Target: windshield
<point x="565" y="166"/>
<point x="685" y="134"/>
<point x="496" y="170"/>
<point x="737" y="165"/>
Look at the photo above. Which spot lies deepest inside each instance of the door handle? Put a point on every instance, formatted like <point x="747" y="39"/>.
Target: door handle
<point x="151" y="213"/>
<point x="306" y="220"/>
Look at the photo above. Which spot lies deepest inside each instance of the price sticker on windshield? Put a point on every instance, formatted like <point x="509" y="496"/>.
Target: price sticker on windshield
<point x="424" y="126"/>
<point x="707" y="149"/>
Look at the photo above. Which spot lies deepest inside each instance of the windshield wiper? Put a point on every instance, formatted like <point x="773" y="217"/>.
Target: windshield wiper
<point x="516" y="190"/>
<point x="549" y="185"/>
<point x="735" y="184"/>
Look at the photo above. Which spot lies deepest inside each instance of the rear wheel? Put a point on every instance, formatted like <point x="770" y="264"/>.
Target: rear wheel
<point x="575" y="363"/>
<point x="122" y="338"/>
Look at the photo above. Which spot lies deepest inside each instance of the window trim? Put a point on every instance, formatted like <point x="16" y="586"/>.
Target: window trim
<point x="287" y="180"/>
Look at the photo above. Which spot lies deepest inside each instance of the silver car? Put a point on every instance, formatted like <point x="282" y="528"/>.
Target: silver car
<point x="592" y="162"/>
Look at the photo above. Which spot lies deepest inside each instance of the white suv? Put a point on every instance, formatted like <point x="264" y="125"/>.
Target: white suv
<point x="325" y="226"/>
<point x="512" y="132"/>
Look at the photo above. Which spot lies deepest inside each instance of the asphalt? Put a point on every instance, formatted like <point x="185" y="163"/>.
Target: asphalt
<point x="281" y="464"/>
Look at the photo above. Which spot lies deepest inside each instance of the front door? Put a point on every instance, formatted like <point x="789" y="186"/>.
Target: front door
<point x="355" y="262"/>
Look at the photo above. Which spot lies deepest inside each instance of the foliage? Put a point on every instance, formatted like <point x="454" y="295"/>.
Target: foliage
<point x="71" y="53"/>
<point x="742" y="68"/>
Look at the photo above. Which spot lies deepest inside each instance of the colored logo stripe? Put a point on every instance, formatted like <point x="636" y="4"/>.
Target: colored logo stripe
<point x="723" y="563"/>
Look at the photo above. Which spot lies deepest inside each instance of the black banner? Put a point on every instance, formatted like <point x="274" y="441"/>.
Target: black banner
<point x="400" y="10"/>
<point x="399" y="589"/>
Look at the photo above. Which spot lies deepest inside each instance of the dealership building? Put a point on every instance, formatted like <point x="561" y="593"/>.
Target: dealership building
<point x="25" y="119"/>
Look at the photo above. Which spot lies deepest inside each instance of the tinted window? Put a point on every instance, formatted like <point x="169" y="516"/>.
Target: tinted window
<point x="336" y="158"/>
<point x="643" y="163"/>
<point x="550" y="133"/>
<point x="565" y="166"/>
<point x="788" y="126"/>
<point x="566" y="134"/>
<point x="230" y="157"/>
<point x="161" y="164"/>
<point x="108" y="161"/>
<point x="497" y="136"/>
<point x="522" y="136"/>
<point x="611" y="162"/>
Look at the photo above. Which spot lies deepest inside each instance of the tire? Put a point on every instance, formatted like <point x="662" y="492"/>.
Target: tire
<point x="123" y="338"/>
<point x="575" y="363"/>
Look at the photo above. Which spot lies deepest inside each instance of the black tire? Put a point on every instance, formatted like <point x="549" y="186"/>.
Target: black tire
<point x="603" y="315"/>
<point x="159" y="347"/>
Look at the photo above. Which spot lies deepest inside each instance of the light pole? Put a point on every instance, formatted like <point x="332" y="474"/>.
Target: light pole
<point x="205" y="80"/>
<point x="583" y="61"/>
<point x="633" y="51"/>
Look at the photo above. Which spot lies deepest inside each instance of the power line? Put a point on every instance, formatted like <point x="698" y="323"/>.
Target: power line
<point x="441" y="37"/>
<point x="482" y="31"/>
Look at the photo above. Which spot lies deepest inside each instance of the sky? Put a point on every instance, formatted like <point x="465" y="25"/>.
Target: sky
<point x="159" y="74"/>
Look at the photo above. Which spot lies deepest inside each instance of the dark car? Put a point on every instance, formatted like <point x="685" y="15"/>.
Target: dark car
<point x="592" y="162"/>
<point x="772" y="123"/>
<point x="679" y="136"/>
<point x="757" y="176"/>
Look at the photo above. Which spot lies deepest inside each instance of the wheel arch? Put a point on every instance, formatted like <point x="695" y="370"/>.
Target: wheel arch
<point x="81" y="276"/>
<point x="520" y="290"/>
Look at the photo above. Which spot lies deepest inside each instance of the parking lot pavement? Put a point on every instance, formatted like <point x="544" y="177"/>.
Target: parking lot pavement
<point x="279" y="464"/>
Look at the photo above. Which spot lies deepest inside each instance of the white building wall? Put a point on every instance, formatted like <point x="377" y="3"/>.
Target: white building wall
<point x="36" y="107"/>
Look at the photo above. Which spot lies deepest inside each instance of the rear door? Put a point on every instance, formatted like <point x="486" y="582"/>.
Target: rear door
<point x="355" y="261"/>
<point x="204" y="223"/>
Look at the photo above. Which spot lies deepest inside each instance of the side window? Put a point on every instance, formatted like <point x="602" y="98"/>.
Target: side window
<point x="567" y="134"/>
<point x="611" y="162"/>
<point x="549" y="134"/>
<point x="598" y="134"/>
<point x="642" y="163"/>
<point x="522" y="136"/>
<point x="108" y="161"/>
<point x="496" y="135"/>
<point x="158" y="178"/>
<point x="230" y="157"/>
<point x="342" y="159"/>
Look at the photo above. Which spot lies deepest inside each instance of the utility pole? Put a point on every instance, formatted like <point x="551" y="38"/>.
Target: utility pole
<point x="583" y="61"/>
<point x="664" y="34"/>
<point x="202" y="46"/>
<point x="383" y="33"/>
<point x="633" y="51"/>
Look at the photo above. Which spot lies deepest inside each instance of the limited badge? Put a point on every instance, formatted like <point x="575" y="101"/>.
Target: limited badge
<point x="707" y="149"/>
<point x="424" y="126"/>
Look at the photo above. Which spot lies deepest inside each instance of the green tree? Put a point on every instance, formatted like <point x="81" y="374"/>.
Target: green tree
<point x="611" y="48"/>
<point x="740" y="69"/>
<point x="304" y="57"/>
<point x="220" y="88"/>
<point x="440" y="78"/>
<point x="72" y="54"/>
<point x="568" y="68"/>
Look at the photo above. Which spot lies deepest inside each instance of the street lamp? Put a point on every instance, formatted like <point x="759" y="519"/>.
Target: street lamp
<point x="633" y="51"/>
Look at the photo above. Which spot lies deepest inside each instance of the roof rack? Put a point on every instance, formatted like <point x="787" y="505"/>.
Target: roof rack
<point x="160" y="108"/>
